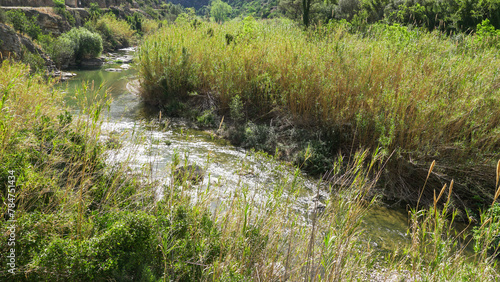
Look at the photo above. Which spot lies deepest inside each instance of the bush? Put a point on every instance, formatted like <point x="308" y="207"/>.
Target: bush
<point x="220" y="10"/>
<point x="22" y="24"/>
<point x="66" y="14"/>
<point x="32" y="28"/>
<point x="59" y="4"/>
<point x="64" y="52"/>
<point x="34" y="60"/>
<point x="95" y="10"/>
<point x="487" y="35"/>
<point x="121" y="248"/>
<point x="115" y="33"/>
<point x="136" y="21"/>
<point x="236" y="109"/>
<point x="3" y="17"/>
<point x="61" y="50"/>
<point x="86" y="43"/>
<point x="18" y="20"/>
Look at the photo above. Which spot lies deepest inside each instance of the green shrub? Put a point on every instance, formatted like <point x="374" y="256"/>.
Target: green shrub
<point x="136" y="21"/>
<point x="22" y="24"/>
<point x="260" y="137"/>
<point x="95" y="10"/>
<point x="207" y="118"/>
<point x="220" y="11"/>
<point x="3" y="17"/>
<point x="152" y="12"/>
<point x="66" y="14"/>
<point x="115" y="33"/>
<point x="34" y="60"/>
<point x="32" y="28"/>
<point x="86" y="43"/>
<point x="487" y="35"/>
<point x="59" y="4"/>
<point x="63" y="51"/>
<point x="18" y="19"/>
<point x="236" y="109"/>
<point x="121" y="248"/>
<point x="195" y="236"/>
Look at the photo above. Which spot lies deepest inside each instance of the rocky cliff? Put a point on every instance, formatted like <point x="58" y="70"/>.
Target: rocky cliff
<point x="50" y="22"/>
<point x="11" y="45"/>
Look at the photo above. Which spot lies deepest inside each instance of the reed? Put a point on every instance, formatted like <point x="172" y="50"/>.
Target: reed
<point x="407" y="90"/>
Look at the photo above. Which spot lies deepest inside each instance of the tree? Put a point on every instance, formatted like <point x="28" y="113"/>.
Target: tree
<point x="220" y="10"/>
<point x="306" y="8"/>
<point x="291" y="8"/>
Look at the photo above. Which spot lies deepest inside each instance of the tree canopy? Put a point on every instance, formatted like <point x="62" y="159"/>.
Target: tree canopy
<point x="220" y="10"/>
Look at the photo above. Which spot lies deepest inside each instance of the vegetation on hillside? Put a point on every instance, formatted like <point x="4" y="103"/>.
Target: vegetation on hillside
<point x="22" y="23"/>
<point x="115" y="33"/>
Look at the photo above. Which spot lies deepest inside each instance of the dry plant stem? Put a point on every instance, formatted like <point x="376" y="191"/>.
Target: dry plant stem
<point x="425" y="183"/>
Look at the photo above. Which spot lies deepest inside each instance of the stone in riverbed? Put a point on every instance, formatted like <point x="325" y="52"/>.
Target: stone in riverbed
<point x="63" y="76"/>
<point x="114" y="70"/>
<point x="127" y="59"/>
<point x="92" y="63"/>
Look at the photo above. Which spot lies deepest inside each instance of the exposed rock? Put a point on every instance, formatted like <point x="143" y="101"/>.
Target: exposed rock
<point x="71" y="3"/>
<point x="49" y="21"/>
<point x="81" y="16"/>
<point x="113" y="70"/>
<point x="27" y="3"/>
<point x="125" y="66"/>
<point x="11" y="46"/>
<point x="63" y="76"/>
<point x="46" y="18"/>
<point x="92" y="63"/>
<point x="11" y="42"/>
<point x="127" y="59"/>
